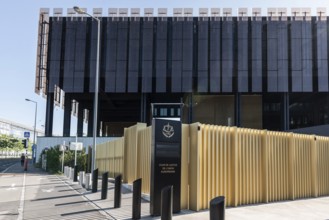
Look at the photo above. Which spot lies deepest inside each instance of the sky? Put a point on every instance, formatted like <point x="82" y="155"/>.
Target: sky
<point x="18" y="44"/>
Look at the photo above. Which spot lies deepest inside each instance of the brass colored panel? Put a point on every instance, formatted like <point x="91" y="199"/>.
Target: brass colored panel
<point x="144" y="158"/>
<point x="131" y="152"/>
<point x="194" y="171"/>
<point x="246" y="166"/>
<point x="185" y="166"/>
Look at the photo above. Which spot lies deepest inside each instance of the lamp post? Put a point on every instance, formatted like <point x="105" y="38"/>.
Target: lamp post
<point x="35" y="118"/>
<point x="80" y="11"/>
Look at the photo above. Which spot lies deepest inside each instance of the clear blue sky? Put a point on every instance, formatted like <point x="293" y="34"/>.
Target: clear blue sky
<point x="18" y="43"/>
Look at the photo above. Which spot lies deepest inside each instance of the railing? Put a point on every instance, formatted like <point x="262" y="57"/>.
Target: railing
<point x="11" y="154"/>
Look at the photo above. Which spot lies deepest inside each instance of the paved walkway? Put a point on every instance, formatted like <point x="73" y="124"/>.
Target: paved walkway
<point x="38" y="195"/>
<point x="308" y="209"/>
<point x="315" y="208"/>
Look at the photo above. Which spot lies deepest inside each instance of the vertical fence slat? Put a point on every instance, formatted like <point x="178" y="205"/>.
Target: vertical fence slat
<point x="245" y="165"/>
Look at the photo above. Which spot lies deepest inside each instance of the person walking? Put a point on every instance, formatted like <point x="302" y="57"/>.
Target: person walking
<point x="22" y="159"/>
<point x="26" y="161"/>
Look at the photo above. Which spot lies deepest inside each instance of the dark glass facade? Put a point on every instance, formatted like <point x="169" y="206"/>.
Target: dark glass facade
<point x="246" y="71"/>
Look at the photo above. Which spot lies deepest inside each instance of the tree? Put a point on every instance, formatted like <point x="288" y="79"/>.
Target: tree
<point x="54" y="159"/>
<point x="10" y="142"/>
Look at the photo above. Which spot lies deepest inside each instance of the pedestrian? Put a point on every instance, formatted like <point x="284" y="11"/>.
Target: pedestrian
<point x="25" y="163"/>
<point x="22" y="159"/>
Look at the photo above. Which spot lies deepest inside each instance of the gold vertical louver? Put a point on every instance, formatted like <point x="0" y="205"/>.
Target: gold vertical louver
<point x="247" y="166"/>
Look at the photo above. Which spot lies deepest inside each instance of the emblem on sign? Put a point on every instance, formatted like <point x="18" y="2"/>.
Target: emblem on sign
<point x="168" y="131"/>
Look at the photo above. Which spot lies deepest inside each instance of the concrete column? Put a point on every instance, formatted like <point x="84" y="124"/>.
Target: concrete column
<point x="90" y="123"/>
<point x="67" y="116"/>
<point x="49" y="115"/>
<point x="237" y="109"/>
<point x="285" y="111"/>
<point x="80" y="121"/>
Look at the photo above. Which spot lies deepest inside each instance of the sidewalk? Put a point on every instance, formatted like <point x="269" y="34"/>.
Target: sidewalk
<point x="38" y="195"/>
<point x="315" y="208"/>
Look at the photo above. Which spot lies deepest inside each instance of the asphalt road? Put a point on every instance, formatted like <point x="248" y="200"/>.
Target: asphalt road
<point x="38" y="195"/>
<point x="5" y="163"/>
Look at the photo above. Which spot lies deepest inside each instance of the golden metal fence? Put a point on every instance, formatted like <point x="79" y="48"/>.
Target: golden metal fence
<point x="247" y="166"/>
<point x="250" y="166"/>
<point x="131" y="152"/>
<point x="109" y="157"/>
<point x="144" y="158"/>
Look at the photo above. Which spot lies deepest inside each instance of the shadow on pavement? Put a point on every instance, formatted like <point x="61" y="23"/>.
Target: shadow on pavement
<point x="56" y="197"/>
<point x="71" y="203"/>
<point x="80" y="212"/>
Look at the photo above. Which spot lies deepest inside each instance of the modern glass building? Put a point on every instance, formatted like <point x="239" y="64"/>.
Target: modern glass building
<point x="265" y="72"/>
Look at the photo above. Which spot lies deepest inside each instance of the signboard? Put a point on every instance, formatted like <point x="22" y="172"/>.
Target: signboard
<point x="62" y="147"/>
<point x="76" y="146"/>
<point x="26" y="134"/>
<point x="165" y="162"/>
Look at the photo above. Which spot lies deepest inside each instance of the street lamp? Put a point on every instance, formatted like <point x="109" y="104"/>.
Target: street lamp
<point x="35" y="117"/>
<point x="80" y="11"/>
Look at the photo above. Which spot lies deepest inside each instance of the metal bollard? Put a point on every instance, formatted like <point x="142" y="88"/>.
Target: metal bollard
<point x="75" y="177"/>
<point x="217" y="208"/>
<point x="82" y="178"/>
<point x="105" y="178"/>
<point x="95" y="181"/>
<point x="87" y="181"/>
<point x="117" y="191"/>
<point x="69" y="173"/>
<point x="137" y="197"/>
<point x="72" y="174"/>
<point x="166" y="203"/>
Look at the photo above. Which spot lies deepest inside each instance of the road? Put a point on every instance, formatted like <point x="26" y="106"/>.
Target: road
<point x="6" y="163"/>
<point x="37" y="195"/>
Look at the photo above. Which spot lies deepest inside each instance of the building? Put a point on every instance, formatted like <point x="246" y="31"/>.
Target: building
<point x="17" y="130"/>
<point x="255" y="71"/>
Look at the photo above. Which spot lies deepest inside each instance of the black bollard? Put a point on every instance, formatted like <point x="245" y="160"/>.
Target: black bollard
<point x="217" y="208"/>
<point x="166" y="203"/>
<point x="117" y="192"/>
<point x="105" y="177"/>
<point x="137" y="197"/>
<point x="75" y="177"/>
<point x="95" y="181"/>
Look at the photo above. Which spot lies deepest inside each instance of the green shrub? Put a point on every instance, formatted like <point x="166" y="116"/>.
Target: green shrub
<point x="54" y="159"/>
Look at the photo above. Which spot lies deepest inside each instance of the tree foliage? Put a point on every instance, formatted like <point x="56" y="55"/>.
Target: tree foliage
<point x="54" y="159"/>
<point x="10" y="143"/>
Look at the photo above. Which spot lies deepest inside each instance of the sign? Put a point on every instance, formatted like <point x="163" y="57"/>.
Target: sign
<point x="76" y="146"/>
<point x="165" y="162"/>
<point x="26" y="134"/>
<point x="62" y="147"/>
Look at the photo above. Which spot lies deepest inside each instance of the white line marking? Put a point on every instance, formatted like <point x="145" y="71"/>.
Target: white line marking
<point x="21" y="204"/>
<point x="12" y="187"/>
<point x="90" y="202"/>
<point x="48" y="190"/>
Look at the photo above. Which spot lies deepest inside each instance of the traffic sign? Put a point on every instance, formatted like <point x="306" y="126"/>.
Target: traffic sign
<point x="26" y="134"/>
